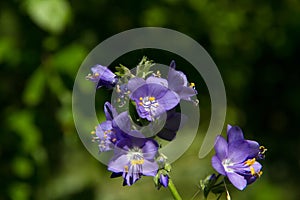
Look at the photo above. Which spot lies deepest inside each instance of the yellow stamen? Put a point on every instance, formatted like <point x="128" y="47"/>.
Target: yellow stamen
<point x="93" y="132"/>
<point x="192" y="85"/>
<point x="151" y="98"/>
<point x="96" y="74"/>
<point x="262" y="149"/>
<point x="126" y="168"/>
<point x="250" y="162"/>
<point x="137" y="162"/>
<point x="141" y="98"/>
<point x="252" y="170"/>
<point x="140" y="103"/>
<point x="259" y="173"/>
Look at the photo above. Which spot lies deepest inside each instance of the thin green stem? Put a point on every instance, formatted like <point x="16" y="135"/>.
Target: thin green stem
<point x="173" y="190"/>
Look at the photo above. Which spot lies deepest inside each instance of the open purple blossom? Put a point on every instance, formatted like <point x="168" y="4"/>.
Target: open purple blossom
<point x="134" y="157"/>
<point x="178" y="83"/>
<point x="102" y="76"/>
<point x="105" y="136"/>
<point x="236" y="158"/>
<point x="151" y="97"/>
<point x="112" y="130"/>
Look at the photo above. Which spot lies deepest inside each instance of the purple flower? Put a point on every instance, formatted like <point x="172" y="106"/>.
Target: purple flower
<point x="105" y="136"/>
<point x="152" y="98"/>
<point x="134" y="157"/>
<point x="164" y="180"/>
<point x="121" y="94"/>
<point x="177" y="82"/>
<point x="112" y="130"/>
<point x="102" y="76"/>
<point x="236" y="158"/>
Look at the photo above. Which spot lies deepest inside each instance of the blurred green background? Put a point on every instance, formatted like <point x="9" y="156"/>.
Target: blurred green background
<point x="255" y="44"/>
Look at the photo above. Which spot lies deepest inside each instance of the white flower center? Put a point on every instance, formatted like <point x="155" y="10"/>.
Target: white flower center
<point x="149" y="103"/>
<point x="227" y="165"/>
<point x="135" y="156"/>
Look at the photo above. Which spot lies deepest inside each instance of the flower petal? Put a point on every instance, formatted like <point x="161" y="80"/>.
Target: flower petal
<point x="234" y="134"/>
<point x="149" y="168"/>
<point x="186" y="93"/>
<point x="237" y="180"/>
<point x="221" y="148"/>
<point x="118" y="164"/>
<point x="135" y="83"/>
<point x="156" y="80"/>
<point x="110" y="111"/>
<point x="169" y="100"/>
<point x="239" y="151"/>
<point x="150" y="149"/>
<point x="173" y="64"/>
<point x="254" y="148"/>
<point x="164" y="180"/>
<point x="122" y="122"/>
<point x="217" y="165"/>
<point x="157" y="90"/>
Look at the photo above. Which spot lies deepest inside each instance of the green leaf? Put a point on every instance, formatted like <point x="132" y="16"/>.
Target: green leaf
<point x="68" y="59"/>
<point x="34" y="89"/>
<point x="50" y="15"/>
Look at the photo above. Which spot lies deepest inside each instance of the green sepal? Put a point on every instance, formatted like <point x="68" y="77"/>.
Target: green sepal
<point x="208" y="183"/>
<point x="123" y="72"/>
<point x="219" y="189"/>
<point x="143" y="68"/>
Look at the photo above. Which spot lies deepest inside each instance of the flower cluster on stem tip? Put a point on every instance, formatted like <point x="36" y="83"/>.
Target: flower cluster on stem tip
<point x="145" y="97"/>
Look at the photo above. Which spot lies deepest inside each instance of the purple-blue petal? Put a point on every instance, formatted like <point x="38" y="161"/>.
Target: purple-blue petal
<point x="110" y="111"/>
<point x="135" y="83"/>
<point x="118" y="164"/>
<point x="141" y="91"/>
<point x="149" y="168"/>
<point x="156" y="90"/>
<point x="173" y="64"/>
<point x="239" y="151"/>
<point x="169" y="100"/>
<point x="237" y="180"/>
<point x="122" y="122"/>
<point x="186" y="93"/>
<point x="164" y="180"/>
<point x="221" y="148"/>
<point x="253" y="148"/>
<point x="176" y="80"/>
<point x="150" y="149"/>
<point x="234" y="134"/>
<point x="217" y="165"/>
<point x="156" y="80"/>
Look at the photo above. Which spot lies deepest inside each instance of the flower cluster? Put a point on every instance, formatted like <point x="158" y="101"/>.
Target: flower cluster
<point x="145" y="108"/>
<point x="153" y="98"/>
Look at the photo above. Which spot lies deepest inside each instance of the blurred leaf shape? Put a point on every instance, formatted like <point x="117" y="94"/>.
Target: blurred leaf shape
<point x="22" y="167"/>
<point x="34" y="89"/>
<point x="19" y="191"/>
<point x="50" y="15"/>
<point x="23" y="123"/>
<point x="69" y="59"/>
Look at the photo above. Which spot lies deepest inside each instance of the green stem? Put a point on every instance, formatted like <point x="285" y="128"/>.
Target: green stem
<point x="173" y="190"/>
